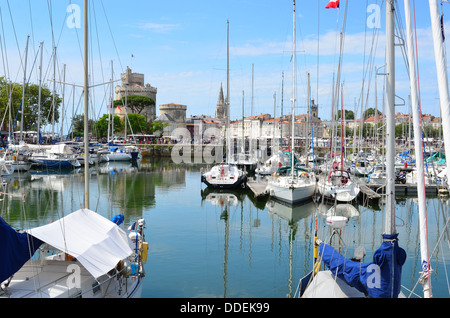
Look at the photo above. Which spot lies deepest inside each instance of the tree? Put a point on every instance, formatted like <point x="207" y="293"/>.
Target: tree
<point x="348" y="115"/>
<point x="158" y="125"/>
<point x="371" y="112"/>
<point x="13" y="92"/>
<point x="136" y="103"/>
<point x="137" y="122"/>
<point x="78" y="125"/>
<point x="101" y="127"/>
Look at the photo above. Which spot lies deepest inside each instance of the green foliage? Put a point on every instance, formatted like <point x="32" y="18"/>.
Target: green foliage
<point x="136" y="103"/>
<point x="101" y="127"/>
<point x="348" y="115"/>
<point x="158" y="126"/>
<point x="371" y="112"/>
<point x="137" y="122"/>
<point x="31" y="106"/>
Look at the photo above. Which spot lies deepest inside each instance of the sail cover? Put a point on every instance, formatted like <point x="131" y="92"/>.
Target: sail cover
<point x="15" y="249"/>
<point x="380" y="278"/>
<point x="96" y="242"/>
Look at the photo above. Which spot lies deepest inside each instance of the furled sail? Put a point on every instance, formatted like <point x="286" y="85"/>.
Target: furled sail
<point x="380" y="278"/>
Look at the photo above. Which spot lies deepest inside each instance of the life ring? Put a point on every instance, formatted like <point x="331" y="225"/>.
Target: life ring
<point x="304" y="175"/>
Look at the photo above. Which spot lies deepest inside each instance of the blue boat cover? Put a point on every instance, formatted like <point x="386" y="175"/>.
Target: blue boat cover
<point x="15" y="249"/>
<point x="118" y="219"/>
<point x="380" y="278"/>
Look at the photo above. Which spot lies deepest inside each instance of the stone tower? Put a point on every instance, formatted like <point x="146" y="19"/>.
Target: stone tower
<point x="221" y="110"/>
<point x="133" y="84"/>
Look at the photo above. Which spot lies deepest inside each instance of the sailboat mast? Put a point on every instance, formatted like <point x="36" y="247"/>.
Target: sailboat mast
<point x="86" y="108"/>
<point x="24" y="89"/>
<point x="293" y="96"/>
<point x="342" y="127"/>
<point x="281" y="112"/>
<point x="41" y="48"/>
<point x="441" y="71"/>
<point x="390" y="122"/>
<point x="416" y="110"/>
<point x="227" y="127"/>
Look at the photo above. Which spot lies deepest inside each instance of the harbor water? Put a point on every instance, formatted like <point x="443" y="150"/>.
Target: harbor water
<point x="207" y="244"/>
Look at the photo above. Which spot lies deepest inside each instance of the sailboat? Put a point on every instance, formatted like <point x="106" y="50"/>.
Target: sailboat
<point x="82" y="255"/>
<point x="244" y="159"/>
<point x="381" y="277"/>
<point x="56" y="156"/>
<point x="281" y="158"/>
<point x="339" y="184"/>
<point x="226" y="175"/>
<point x="299" y="184"/>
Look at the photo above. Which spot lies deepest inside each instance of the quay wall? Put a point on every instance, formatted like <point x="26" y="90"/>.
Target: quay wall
<point x="165" y="150"/>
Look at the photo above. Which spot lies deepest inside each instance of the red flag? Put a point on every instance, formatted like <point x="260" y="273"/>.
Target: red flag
<point x="333" y="4"/>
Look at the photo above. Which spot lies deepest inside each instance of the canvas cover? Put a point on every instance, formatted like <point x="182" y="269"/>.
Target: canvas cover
<point x="96" y="242"/>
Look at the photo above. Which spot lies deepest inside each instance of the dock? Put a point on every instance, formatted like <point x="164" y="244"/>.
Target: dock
<point x="259" y="188"/>
<point x="407" y="188"/>
<point x="368" y="192"/>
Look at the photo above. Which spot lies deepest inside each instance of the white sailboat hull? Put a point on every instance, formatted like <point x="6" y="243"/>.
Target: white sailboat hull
<point x="343" y="193"/>
<point x="291" y="190"/>
<point x="224" y="176"/>
<point x="119" y="156"/>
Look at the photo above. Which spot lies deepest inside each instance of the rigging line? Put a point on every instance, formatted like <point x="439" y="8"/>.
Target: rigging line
<point x="26" y="87"/>
<point x="32" y="28"/>
<point x="364" y="55"/>
<point x="98" y="45"/>
<point x="370" y="63"/>
<point x="62" y="29"/>
<point x="110" y="31"/>
<point x="5" y="54"/>
<point x="49" y="7"/>
<point x="78" y="39"/>
<point x="15" y="34"/>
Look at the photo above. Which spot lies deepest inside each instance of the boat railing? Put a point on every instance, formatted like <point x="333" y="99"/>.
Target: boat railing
<point x="118" y="274"/>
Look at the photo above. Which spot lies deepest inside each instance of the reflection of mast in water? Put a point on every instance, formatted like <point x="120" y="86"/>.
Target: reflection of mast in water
<point x="224" y="216"/>
<point x="224" y="200"/>
<point x="292" y="214"/>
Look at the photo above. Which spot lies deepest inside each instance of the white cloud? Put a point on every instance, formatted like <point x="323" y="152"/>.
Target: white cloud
<point x="158" y="27"/>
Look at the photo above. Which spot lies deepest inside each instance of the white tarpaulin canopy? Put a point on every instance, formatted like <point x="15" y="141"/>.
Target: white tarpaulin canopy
<point x="96" y="242"/>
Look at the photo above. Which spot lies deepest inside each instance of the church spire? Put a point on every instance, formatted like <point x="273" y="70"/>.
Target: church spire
<point x="221" y="110"/>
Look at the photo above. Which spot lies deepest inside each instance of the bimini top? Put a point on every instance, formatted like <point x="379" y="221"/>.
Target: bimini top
<point x="96" y="242"/>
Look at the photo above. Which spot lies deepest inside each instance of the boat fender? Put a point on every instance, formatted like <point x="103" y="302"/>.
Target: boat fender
<point x="144" y="251"/>
<point x="134" y="236"/>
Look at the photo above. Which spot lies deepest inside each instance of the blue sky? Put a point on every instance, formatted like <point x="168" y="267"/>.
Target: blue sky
<point x="180" y="47"/>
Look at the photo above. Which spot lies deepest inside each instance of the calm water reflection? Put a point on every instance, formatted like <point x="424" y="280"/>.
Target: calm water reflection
<point x="219" y="244"/>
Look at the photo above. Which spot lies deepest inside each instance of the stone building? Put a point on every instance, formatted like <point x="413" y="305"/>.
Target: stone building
<point x="133" y="84"/>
